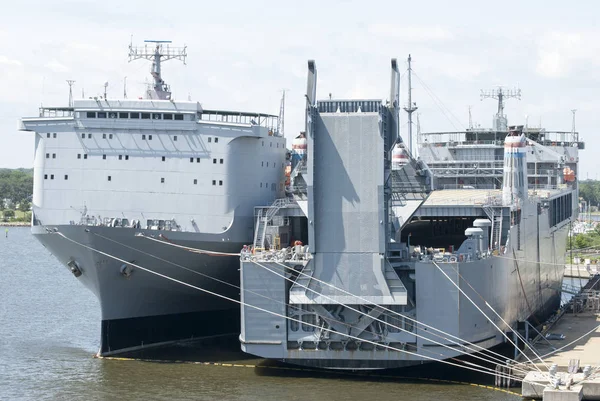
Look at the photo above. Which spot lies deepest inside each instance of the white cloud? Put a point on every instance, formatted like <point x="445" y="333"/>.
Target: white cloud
<point x="412" y="33"/>
<point x="7" y="61"/>
<point x="56" y="66"/>
<point x="560" y="53"/>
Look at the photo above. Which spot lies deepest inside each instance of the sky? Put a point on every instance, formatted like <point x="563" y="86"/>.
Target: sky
<point x="242" y="54"/>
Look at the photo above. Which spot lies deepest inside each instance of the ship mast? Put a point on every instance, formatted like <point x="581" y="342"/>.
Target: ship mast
<point x="500" y="121"/>
<point x="410" y="108"/>
<point x="160" y="53"/>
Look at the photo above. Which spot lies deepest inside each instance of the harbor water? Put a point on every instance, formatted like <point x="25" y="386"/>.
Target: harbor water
<point x="50" y="329"/>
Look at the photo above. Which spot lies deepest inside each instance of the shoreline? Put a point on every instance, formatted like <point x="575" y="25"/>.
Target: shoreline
<point x="15" y="224"/>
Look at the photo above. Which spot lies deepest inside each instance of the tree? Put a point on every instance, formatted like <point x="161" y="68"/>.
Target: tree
<point x="24" y="206"/>
<point x="9" y="214"/>
<point x="582" y="241"/>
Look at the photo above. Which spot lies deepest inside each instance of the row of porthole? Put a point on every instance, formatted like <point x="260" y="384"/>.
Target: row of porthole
<point x="110" y="136"/>
<point x="262" y="164"/>
<point x="109" y="178"/>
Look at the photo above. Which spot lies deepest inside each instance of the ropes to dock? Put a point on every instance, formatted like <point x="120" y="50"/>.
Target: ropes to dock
<point x="187" y="248"/>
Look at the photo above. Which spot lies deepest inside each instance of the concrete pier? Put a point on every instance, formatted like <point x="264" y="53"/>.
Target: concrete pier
<point x="581" y="270"/>
<point x="574" y="385"/>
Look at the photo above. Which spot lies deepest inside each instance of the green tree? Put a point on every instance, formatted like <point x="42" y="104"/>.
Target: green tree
<point x="24" y="206"/>
<point x="8" y="214"/>
<point x="582" y="241"/>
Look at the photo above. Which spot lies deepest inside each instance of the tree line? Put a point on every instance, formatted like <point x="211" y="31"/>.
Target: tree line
<point x="589" y="190"/>
<point x="16" y="186"/>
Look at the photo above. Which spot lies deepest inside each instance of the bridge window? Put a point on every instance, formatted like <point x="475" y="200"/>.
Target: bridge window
<point x="134" y="115"/>
<point x="101" y="114"/>
<point x="91" y="114"/>
<point x="123" y="115"/>
<point x="167" y="116"/>
<point x="178" y="117"/>
<point x="145" y="116"/>
<point x="112" y="115"/>
<point x="156" y="116"/>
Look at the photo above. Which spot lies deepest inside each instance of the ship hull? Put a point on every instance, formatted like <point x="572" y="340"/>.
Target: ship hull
<point x="168" y="297"/>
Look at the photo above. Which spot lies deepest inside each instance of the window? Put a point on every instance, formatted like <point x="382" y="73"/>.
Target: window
<point x="214" y="182"/>
<point x="91" y="114"/>
<point x="112" y="115"/>
<point x="195" y="181"/>
<point x="220" y="182"/>
<point x="54" y="135"/>
<point x="101" y="114"/>
<point x="261" y="184"/>
<point x="175" y="138"/>
<point x="123" y="115"/>
<point x="162" y="180"/>
<point x="263" y="143"/>
<point x="270" y="144"/>
<point x="109" y="136"/>
<point x="85" y="156"/>
<point x="267" y="164"/>
<point x="54" y="155"/>
<point x="120" y="157"/>
<point x="145" y="116"/>
<point x="48" y="135"/>
<point x="109" y="178"/>
<point x="164" y="158"/>
<point x="262" y="164"/>
<point x="156" y="116"/>
<point x="89" y="136"/>
<point x="167" y="116"/>
<point x="47" y="155"/>
<point x="197" y="160"/>
<point x="216" y="140"/>
<point x="278" y="144"/>
<point x="45" y="176"/>
<point x="209" y="139"/>
<point x="66" y="177"/>
<point x="126" y="157"/>
<point x="103" y="157"/>
<point x="79" y="155"/>
<point x="149" y="137"/>
<point x="191" y="159"/>
<point x="214" y="161"/>
<point x="179" y="117"/>
<point x="134" y="115"/>
<point x="51" y="176"/>
<point x="103" y="136"/>
<point x="82" y="136"/>
<point x="220" y="161"/>
<point x="143" y="136"/>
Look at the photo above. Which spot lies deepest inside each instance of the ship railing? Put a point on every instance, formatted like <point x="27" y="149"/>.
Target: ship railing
<point x="459" y="138"/>
<point x="468" y="186"/>
<point x="463" y="158"/>
<point x="53" y="112"/>
<point x="233" y="117"/>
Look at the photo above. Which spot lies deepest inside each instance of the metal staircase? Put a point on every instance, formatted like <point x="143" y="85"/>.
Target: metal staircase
<point x="496" y="216"/>
<point x="263" y="218"/>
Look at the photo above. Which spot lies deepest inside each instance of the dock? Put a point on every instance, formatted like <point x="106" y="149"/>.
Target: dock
<point x="571" y="367"/>
<point x="581" y="270"/>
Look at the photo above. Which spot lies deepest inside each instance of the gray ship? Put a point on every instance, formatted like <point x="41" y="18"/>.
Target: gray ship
<point x="399" y="260"/>
<point x="159" y="183"/>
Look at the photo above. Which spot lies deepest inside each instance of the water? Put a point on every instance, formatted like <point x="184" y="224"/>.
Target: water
<point x="50" y="329"/>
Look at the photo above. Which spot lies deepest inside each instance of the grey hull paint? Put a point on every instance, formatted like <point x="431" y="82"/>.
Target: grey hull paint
<point x="143" y="295"/>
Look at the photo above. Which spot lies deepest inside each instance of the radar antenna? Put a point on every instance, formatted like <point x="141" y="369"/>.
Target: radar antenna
<point x="500" y="121"/>
<point x="70" y="82"/>
<point x="161" y="52"/>
<point x="281" y="119"/>
<point x="411" y="107"/>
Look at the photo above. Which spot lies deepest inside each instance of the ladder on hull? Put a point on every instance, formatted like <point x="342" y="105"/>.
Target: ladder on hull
<point x="263" y="218"/>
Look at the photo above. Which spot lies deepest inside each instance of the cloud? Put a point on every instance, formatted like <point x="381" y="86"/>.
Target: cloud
<point x="412" y="34"/>
<point x="560" y="53"/>
<point x="55" y="66"/>
<point x="7" y="61"/>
